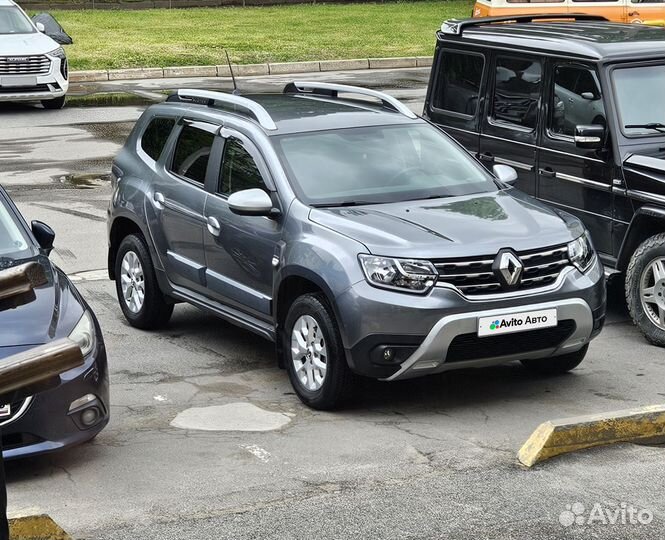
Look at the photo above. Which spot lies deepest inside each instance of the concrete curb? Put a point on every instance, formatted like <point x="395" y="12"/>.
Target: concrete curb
<point x="556" y="437"/>
<point x="248" y="70"/>
<point x="36" y="528"/>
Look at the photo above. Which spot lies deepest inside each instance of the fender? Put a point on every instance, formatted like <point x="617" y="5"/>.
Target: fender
<point x="647" y="221"/>
<point x="121" y="213"/>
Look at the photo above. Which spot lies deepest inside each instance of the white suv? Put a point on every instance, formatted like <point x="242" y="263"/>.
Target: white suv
<point x="33" y="67"/>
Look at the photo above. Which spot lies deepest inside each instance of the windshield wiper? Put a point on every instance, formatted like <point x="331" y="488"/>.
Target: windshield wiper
<point x="343" y="203"/>
<point x="651" y="125"/>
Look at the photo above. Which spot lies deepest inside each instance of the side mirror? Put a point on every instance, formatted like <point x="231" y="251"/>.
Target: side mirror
<point x="589" y="96"/>
<point x="44" y="235"/>
<point x="251" y="202"/>
<point x="589" y="137"/>
<point x="40" y="27"/>
<point x="506" y="174"/>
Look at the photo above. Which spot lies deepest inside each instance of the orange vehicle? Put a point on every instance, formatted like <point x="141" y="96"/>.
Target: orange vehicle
<point x="632" y="11"/>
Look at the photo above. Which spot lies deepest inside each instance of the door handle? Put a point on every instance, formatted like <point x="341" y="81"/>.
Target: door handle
<point x="214" y="227"/>
<point x="633" y="13"/>
<point x="158" y="198"/>
<point x="547" y="171"/>
<point x="487" y="156"/>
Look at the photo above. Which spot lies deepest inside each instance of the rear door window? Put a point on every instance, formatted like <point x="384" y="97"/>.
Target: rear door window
<point x="155" y="136"/>
<point x="192" y="153"/>
<point x="460" y="77"/>
<point x="517" y="88"/>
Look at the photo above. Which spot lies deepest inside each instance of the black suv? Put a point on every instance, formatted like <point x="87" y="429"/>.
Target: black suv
<point x="576" y="105"/>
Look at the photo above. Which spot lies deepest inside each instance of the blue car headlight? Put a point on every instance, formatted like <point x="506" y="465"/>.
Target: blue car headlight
<point x="84" y="334"/>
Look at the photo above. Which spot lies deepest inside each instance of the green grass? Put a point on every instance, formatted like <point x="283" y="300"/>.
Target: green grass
<point x="162" y="37"/>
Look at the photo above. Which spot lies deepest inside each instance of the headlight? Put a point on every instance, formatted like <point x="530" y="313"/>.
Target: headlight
<point x="407" y="275"/>
<point x="581" y="252"/>
<point x="84" y="334"/>
<point x="59" y="52"/>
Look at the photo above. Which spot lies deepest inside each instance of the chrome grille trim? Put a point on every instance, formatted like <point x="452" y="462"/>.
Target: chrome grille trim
<point x="29" y="65"/>
<point x="475" y="277"/>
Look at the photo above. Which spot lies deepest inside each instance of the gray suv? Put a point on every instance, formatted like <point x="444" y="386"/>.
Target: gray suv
<point x="358" y="237"/>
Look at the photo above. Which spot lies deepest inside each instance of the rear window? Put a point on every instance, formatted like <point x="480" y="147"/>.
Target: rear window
<point x="192" y="153"/>
<point x="459" y="83"/>
<point x="155" y="136"/>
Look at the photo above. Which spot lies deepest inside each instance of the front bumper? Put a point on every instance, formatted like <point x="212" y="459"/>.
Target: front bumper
<point x="47" y="424"/>
<point x="51" y="85"/>
<point x="438" y="332"/>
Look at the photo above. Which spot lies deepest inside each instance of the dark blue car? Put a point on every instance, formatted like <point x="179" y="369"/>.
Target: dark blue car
<point x="77" y="408"/>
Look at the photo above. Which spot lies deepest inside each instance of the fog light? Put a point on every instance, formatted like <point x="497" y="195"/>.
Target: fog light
<point x="90" y="416"/>
<point x="388" y="355"/>
<point x="82" y="401"/>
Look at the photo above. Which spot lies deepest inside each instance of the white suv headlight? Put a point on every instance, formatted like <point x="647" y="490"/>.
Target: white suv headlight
<point x="59" y="53"/>
<point x="407" y="275"/>
<point x="581" y="252"/>
<point x="84" y="334"/>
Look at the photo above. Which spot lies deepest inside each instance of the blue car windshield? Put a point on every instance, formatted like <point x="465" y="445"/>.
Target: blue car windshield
<point x="13" y="242"/>
<point x="14" y="21"/>
<point x="379" y="164"/>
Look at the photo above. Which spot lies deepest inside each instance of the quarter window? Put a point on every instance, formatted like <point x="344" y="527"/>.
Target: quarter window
<point x="576" y="100"/>
<point x="155" y="136"/>
<point x="459" y="83"/>
<point x="192" y="153"/>
<point x="517" y="91"/>
<point x="239" y="170"/>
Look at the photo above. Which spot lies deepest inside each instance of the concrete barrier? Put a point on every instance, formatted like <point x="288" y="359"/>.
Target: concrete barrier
<point x="556" y="437"/>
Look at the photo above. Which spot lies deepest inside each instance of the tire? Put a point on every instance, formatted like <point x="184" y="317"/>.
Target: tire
<point x="155" y="310"/>
<point x="648" y="315"/>
<point x="54" y="104"/>
<point x="315" y="319"/>
<point x="556" y="365"/>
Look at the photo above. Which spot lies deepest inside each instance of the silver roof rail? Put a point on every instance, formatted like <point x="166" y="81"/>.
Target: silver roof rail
<point x="333" y="89"/>
<point x="261" y="115"/>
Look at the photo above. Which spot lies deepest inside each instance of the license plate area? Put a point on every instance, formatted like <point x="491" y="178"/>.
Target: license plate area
<point x="510" y="323"/>
<point x="9" y="82"/>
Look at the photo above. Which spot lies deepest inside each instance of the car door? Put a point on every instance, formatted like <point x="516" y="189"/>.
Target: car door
<point x="454" y="101"/>
<point x="645" y="11"/>
<point x="178" y="199"/>
<point x="511" y="116"/>
<point x="576" y="180"/>
<point x="240" y="249"/>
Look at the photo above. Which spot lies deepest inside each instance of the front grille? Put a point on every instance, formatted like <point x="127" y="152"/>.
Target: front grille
<point x="471" y="347"/>
<point x="16" y="408"/>
<point x="474" y="276"/>
<point x="24" y="65"/>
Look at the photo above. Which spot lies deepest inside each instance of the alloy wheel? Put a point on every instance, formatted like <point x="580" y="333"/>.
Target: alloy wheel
<point x="132" y="282"/>
<point x="652" y="291"/>
<point x="309" y="353"/>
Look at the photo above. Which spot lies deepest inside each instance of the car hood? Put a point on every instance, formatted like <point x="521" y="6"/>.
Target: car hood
<point x="479" y="224"/>
<point x="51" y="313"/>
<point x="26" y="44"/>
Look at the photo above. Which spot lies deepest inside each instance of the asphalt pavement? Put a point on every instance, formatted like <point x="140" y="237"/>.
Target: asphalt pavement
<point x="426" y="458"/>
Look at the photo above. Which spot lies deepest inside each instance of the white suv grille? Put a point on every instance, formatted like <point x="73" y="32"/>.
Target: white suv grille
<point x="474" y="276"/>
<point x="24" y="65"/>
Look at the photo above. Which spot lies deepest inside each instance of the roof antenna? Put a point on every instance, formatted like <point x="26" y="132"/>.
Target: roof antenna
<point x="236" y="92"/>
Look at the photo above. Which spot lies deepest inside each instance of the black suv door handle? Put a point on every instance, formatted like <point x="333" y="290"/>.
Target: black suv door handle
<point x="547" y="171"/>
<point x="486" y="156"/>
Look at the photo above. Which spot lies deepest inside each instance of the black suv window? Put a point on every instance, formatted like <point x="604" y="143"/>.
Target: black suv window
<point x="191" y="154"/>
<point x="239" y="171"/>
<point x="517" y="91"/>
<point x="576" y="99"/>
<point x="155" y="136"/>
<point x="459" y="82"/>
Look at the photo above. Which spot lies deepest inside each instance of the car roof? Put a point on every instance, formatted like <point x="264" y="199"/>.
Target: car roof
<point x="299" y="113"/>
<point x="596" y="40"/>
<point x="7" y="3"/>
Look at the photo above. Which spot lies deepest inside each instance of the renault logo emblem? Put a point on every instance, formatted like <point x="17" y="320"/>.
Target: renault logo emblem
<point x="508" y="268"/>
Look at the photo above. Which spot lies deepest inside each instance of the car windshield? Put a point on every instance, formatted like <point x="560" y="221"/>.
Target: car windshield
<point x="13" y="242"/>
<point x="13" y="21"/>
<point x="379" y="164"/>
<point x="636" y="86"/>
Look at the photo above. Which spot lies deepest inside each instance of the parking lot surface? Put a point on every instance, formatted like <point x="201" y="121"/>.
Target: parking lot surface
<point x="208" y="441"/>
